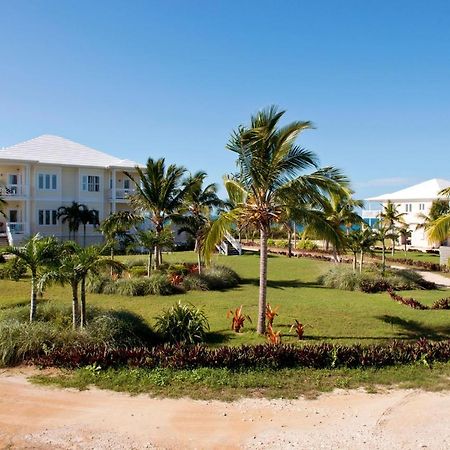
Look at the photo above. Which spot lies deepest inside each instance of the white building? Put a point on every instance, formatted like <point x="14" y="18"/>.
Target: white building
<point x="413" y="201"/>
<point x="42" y="174"/>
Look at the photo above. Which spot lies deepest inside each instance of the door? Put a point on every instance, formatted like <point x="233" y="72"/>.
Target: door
<point x="14" y="183"/>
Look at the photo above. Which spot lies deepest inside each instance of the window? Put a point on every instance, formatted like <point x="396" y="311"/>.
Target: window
<point x="421" y="206"/>
<point x="126" y="184"/>
<point x="47" y="217"/>
<point x="408" y="207"/>
<point x="47" y="182"/>
<point x="90" y="183"/>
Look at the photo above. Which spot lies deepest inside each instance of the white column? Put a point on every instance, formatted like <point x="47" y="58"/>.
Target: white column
<point x="27" y="200"/>
<point x="113" y="191"/>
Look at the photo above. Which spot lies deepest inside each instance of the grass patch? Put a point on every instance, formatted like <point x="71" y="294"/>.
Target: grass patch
<point x="225" y="384"/>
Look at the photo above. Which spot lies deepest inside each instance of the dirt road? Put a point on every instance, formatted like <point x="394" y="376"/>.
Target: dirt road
<point x="50" y="418"/>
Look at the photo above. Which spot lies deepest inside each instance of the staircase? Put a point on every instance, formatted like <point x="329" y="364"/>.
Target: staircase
<point x="3" y="240"/>
<point x="230" y="246"/>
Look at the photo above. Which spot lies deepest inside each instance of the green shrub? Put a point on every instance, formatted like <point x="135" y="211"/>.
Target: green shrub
<point x="138" y="271"/>
<point x="194" y="282"/>
<point x="178" y="269"/>
<point x="182" y="324"/>
<point x="96" y="284"/>
<point x="160" y="285"/>
<point x="220" y="277"/>
<point x="129" y="263"/>
<point x="14" y="269"/>
<point x="306" y="244"/>
<point x="52" y="330"/>
<point x="372" y="280"/>
<point x="132" y="287"/>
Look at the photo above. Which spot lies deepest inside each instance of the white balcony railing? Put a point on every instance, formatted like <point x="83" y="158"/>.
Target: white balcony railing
<point x="370" y="214"/>
<point x="121" y="194"/>
<point x="13" y="190"/>
<point x="16" y="227"/>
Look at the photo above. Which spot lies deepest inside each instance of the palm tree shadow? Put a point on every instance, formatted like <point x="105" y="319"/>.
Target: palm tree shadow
<point x="15" y="305"/>
<point x="281" y="284"/>
<point x="217" y="337"/>
<point x="412" y="329"/>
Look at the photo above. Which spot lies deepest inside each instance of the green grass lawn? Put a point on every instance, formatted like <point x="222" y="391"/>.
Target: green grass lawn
<point x="331" y="315"/>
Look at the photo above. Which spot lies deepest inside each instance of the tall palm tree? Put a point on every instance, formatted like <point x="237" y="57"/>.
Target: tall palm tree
<point x="391" y="218"/>
<point x="72" y="215"/>
<point x="269" y="183"/>
<point x="438" y="230"/>
<point x="195" y="215"/>
<point x="38" y="253"/>
<point x="161" y="192"/>
<point x="87" y="216"/>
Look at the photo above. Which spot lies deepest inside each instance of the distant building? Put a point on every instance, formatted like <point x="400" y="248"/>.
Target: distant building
<point x="42" y="174"/>
<point x="413" y="201"/>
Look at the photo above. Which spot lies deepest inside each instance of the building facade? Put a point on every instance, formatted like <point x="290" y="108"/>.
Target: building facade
<point x="42" y="174"/>
<point x="415" y="202"/>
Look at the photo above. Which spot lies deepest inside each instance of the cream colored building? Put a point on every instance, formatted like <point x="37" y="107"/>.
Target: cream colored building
<point x="414" y="202"/>
<point x="42" y="174"/>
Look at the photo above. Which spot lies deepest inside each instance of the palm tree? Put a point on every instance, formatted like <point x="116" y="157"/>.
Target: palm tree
<point x="195" y="215"/>
<point x="116" y="227"/>
<point x="438" y="230"/>
<point x="391" y="218"/>
<point x="38" y="253"/>
<point x="72" y="215"/>
<point x="360" y="241"/>
<point x="87" y="216"/>
<point x="381" y="234"/>
<point x="149" y="239"/>
<point x="339" y="210"/>
<point x="160" y="191"/>
<point x="269" y="183"/>
<point x="405" y="233"/>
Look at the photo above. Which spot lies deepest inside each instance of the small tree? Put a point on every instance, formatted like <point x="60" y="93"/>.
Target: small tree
<point x="381" y="234"/>
<point x="38" y="254"/>
<point x="87" y="216"/>
<point x="72" y="215"/>
<point x="149" y="239"/>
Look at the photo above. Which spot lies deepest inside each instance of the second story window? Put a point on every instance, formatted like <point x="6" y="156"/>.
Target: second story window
<point x="47" y="182"/>
<point x="126" y="184"/>
<point x="90" y="183"/>
<point x="421" y="206"/>
<point x="408" y="207"/>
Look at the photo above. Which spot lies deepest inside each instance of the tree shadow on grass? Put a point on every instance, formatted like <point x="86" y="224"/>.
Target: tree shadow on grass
<point x="412" y="329"/>
<point x="282" y="284"/>
<point x="15" y="305"/>
<point x="217" y="337"/>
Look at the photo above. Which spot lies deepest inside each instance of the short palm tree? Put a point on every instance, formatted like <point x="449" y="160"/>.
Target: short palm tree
<point x="195" y="214"/>
<point x="38" y="254"/>
<point x="149" y="239"/>
<point x="161" y="192"/>
<point x="269" y="183"/>
<point x="360" y="242"/>
<point x="116" y="227"/>
<point x="382" y="233"/>
<point x="72" y="215"/>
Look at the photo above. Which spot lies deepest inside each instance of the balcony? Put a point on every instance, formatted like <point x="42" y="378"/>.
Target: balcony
<point x="121" y="194"/>
<point x="370" y="214"/>
<point x="13" y="190"/>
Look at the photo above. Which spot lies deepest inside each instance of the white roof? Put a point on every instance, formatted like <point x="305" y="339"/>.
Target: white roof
<point x="428" y="190"/>
<point x="56" y="150"/>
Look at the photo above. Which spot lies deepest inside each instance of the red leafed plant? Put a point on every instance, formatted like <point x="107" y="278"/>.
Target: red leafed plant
<point x="238" y="319"/>
<point x="271" y="313"/>
<point x="299" y="329"/>
<point x="273" y="337"/>
<point x="176" y="279"/>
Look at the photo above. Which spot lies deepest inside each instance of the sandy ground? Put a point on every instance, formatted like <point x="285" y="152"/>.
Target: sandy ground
<point x="34" y="417"/>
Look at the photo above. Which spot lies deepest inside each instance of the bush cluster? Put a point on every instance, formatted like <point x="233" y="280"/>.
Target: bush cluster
<point x="52" y="331"/>
<point x="443" y="303"/>
<point x="13" y="269"/>
<point x="427" y="265"/>
<point x="322" y="356"/>
<point x="371" y="281"/>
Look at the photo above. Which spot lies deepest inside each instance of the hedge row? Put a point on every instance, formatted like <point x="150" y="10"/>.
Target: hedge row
<point x="320" y="356"/>
<point x="443" y="303"/>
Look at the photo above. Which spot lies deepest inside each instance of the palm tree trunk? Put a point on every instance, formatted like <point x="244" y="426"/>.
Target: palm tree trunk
<point x="83" y="303"/>
<point x="84" y="235"/>
<point x="393" y="247"/>
<point x="149" y="262"/>
<point x="354" y="262"/>
<point x="263" y="235"/>
<point x="383" y="258"/>
<point x="289" y="243"/>
<point x="74" y="304"/>
<point x="112" y="258"/>
<point x="361" y="261"/>
<point x="33" y="297"/>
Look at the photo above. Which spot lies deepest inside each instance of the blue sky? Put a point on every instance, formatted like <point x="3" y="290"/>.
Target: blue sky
<point x="173" y="78"/>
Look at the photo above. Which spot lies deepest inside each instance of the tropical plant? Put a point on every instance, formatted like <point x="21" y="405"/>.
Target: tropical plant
<point x="149" y="239"/>
<point x="437" y="223"/>
<point x="273" y="337"/>
<point x="195" y="215"/>
<point x="299" y="329"/>
<point x="38" y="254"/>
<point x="382" y="232"/>
<point x="269" y="184"/>
<point x="237" y="319"/>
<point x="271" y="313"/>
<point x="360" y="242"/>
<point x="87" y="216"/>
<point x="72" y="215"/>
<point x="116" y="227"/>
<point x="405" y="233"/>
<point x="391" y="219"/>
<point x="161" y="192"/>
<point x="183" y="324"/>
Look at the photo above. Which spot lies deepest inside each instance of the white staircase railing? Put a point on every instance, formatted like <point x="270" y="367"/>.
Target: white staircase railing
<point x="234" y="242"/>
<point x="9" y="235"/>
